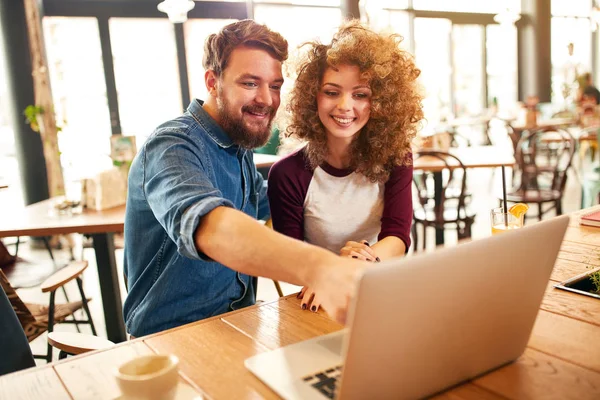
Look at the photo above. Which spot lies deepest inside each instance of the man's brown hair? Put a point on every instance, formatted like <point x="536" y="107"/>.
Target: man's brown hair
<point x="218" y="46"/>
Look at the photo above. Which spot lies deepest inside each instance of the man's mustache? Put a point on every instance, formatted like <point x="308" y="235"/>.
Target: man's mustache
<point x="256" y="109"/>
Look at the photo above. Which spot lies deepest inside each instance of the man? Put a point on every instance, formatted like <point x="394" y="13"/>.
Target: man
<point x="192" y="244"/>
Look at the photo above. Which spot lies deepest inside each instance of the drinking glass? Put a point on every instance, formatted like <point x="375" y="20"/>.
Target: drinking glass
<point x="503" y="221"/>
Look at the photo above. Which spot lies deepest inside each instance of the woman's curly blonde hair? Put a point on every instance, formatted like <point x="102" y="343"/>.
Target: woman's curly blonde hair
<point x="385" y="141"/>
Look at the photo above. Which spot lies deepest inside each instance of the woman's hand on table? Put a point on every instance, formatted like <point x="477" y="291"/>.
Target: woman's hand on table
<point x="310" y="301"/>
<point x="359" y="250"/>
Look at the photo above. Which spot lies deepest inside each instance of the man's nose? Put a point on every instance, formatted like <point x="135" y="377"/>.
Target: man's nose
<point x="264" y="96"/>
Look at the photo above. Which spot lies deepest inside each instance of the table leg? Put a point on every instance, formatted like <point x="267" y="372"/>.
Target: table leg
<point x="437" y="190"/>
<point x="104" y="247"/>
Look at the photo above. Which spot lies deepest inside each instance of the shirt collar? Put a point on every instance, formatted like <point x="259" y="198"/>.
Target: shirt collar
<point x="216" y="133"/>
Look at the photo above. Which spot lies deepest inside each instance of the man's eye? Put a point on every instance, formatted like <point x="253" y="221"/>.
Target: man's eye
<point x="276" y="87"/>
<point x="249" y="84"/>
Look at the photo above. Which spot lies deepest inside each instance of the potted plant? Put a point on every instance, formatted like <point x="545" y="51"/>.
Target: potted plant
<point x="37" y="118"/>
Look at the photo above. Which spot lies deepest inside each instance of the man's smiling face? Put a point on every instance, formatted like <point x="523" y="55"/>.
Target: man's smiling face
<point x="248" y="96"/>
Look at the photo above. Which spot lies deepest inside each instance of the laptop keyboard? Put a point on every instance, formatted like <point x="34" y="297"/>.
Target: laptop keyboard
<point x="325" y="381"/>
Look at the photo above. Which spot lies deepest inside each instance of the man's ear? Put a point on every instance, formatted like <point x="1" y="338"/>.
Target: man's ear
<point x="212" y="81"/>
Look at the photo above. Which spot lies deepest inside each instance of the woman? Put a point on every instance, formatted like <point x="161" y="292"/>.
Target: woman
<point x="356" y="105"/>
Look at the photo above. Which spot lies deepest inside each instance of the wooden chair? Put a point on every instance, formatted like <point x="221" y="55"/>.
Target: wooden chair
<point x="38" y="318"/>
<point x="543" y="159"/>
<point x="442" y="209"/>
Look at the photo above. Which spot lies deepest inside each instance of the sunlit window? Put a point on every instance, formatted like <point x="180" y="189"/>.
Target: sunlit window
<point x="79" y="93"/>
<point x="196" y="32"/>
<point x="386" y="4"/>
<point x="384" y="20"/>
<point x="8" y="163"/>
<point x="479" y="6"/>
<point x="327" y="3"/>
<point x="569" y="61"/>
<point x="146" y="73"/>
<point x="571" y="8"/>
<point x="432" y="53"/>
<point x="468" y="66"/>
<point x="501" y="67"/>
<point x="291" y="22"/>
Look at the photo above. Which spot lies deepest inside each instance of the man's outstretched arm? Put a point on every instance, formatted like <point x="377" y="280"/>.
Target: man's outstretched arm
<point x="239" y="242"/>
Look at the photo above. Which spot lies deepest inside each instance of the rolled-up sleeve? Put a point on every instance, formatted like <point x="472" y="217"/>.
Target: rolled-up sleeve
<point x="178" y="187"/>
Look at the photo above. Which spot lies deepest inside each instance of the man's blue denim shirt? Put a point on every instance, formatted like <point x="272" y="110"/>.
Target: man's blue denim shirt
<point x="186" y="168"/>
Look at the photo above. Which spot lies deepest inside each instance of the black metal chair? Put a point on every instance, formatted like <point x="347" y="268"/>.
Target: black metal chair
<point x="435" y="206"/>
<point x="543" y="159"/>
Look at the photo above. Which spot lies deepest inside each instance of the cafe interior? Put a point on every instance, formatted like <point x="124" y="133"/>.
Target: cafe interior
<point x="511" y="127"/>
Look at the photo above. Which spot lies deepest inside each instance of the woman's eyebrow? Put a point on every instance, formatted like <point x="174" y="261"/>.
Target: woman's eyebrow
<point x="354" y="88"/>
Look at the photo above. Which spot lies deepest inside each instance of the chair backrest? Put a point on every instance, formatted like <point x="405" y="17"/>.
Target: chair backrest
<point x="16" y="353"/>
<point x="545" y="154"/>
<point x="453" y="177"/>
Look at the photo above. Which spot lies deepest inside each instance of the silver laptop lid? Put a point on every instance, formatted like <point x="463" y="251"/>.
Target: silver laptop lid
<point x="424" y="323"/>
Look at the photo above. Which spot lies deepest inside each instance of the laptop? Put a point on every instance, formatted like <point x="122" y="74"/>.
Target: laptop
<point x="422" y="324"/>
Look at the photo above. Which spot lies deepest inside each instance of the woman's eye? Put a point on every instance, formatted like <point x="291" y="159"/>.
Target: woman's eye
<point x="361" y="95"/>
<point x="330" y="93"/>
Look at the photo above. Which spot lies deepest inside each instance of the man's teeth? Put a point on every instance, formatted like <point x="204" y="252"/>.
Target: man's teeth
<point x="343" y="120"/>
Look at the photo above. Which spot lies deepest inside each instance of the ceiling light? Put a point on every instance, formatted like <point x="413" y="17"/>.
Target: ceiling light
<point x="507" y="17"/>
<point x="177" y="10"/>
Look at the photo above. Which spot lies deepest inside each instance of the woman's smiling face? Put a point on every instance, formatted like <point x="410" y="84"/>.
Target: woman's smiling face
<point x="343" y="102"/>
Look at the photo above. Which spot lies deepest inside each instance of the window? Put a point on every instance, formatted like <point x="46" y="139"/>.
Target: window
<point x="479" y="6"/>
<point x="579" y="8"/>
<point x="79" y="94"/>
<point x="9" y="173"/>
<point x="196" y="31"/>
<point x="569" y="62"/>
<point x="325" y="3"/>
<point x="432" y="55"/>
<point x="501" y="47"/>
<point x="146" y="74"/>
<point x="291" y="22"/>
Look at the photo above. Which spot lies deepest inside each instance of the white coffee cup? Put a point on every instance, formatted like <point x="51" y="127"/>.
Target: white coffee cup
<point x="149" y="377"/>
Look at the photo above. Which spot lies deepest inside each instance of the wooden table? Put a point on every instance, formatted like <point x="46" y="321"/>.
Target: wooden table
<point x="562" y="359"/>
<point x="34" y="220"/>
<point x="471" y="157"/>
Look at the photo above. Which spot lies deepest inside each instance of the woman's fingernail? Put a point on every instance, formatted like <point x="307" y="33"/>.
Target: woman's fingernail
<point x="377" y="259"/>
<point x="367" y="243"/>
<point x="304" y="306"/>
<point x="314" y="308"/>
<point x="354" y="257"/>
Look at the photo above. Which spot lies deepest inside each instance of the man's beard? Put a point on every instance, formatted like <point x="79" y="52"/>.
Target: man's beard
<point x="239" y="133"/>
